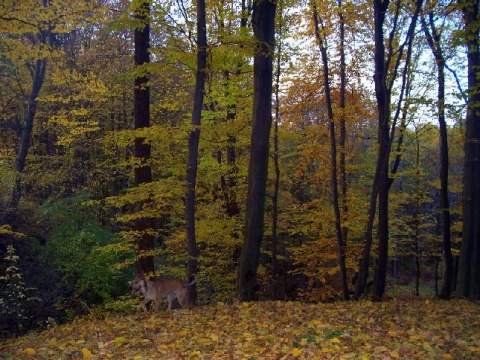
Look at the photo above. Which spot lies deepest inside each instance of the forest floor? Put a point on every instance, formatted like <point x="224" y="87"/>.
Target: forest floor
<point x="396" y="329"/>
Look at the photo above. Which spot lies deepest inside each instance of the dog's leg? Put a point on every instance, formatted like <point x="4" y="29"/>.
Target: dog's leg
<point x="170" y="298"/>
<point x="181" y="295"/>
<point x="143" y="305"/>
<point x="157" y="304"/>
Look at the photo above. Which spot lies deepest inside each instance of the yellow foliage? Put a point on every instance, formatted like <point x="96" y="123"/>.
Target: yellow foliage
<point x="7" y="230"/>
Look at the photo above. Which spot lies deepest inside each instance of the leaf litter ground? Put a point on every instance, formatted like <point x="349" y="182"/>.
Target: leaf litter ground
<point x="411" y="329"/>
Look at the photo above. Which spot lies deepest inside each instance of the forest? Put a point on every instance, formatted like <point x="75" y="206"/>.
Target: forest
<point x="297" y="151"/>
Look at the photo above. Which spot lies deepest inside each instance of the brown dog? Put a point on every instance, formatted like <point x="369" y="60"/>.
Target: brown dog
<point x="161" y="288"/>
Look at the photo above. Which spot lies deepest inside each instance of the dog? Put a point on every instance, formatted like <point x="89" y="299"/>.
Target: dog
<point x="161" y="288"/>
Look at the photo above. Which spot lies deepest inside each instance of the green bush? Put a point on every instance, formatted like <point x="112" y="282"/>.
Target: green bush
<point x="84" y="270"/>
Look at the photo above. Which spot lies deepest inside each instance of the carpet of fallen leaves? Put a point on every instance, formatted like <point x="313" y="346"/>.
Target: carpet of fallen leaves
<point x="419" y="329"/>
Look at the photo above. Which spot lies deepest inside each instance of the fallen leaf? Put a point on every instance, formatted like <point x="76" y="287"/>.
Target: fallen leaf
<point x="30" y="351"/>
<point x="87" y="354"/>
<point x="296" y="352"/>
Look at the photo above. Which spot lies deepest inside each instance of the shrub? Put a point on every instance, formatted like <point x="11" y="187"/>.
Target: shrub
<point x="16" y="301"/>
<point x="74" y="249"/>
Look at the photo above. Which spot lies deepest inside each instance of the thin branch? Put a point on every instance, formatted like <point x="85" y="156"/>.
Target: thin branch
<point x="459" y="85"/>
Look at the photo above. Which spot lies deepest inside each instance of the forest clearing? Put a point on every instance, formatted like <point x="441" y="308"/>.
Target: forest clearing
<point x="395" y="329"/>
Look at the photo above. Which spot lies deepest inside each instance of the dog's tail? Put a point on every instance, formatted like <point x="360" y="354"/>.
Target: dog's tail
<point x="193" y="280"/>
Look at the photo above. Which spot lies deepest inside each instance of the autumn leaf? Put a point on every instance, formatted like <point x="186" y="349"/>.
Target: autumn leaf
<point x="296" y="352"/>
<point x="334" y="334"/>
<point x="119" y="341"/>
<point x="30" y="351"/>
<point x="87" y="354"/>
<point x="271" y="330"/>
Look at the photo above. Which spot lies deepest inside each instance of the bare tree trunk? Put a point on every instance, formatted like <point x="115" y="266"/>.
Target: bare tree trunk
<point x="416" y="215"/>
<point x="333" y="143"/>
<point x="264" y="34"/>
<point x="383" y="93"/>
<point x="143" y="173"/>
<point x="38" y="76"/>
<point x="276" y="185"/>
<point x="468" y="284"/>
<point x="193" y="143"/>
<point x="380" y="182"/>
<point x="433" y="39"/>
<point x="343" y="131"/>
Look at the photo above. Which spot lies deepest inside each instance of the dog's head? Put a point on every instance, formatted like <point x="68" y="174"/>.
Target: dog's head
<point x="137" y="283"/>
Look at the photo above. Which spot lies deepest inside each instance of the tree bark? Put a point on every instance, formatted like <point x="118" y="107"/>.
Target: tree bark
<point x="38" y="76"/>
<point x="468" y="284"/>
<point x="193" y="144"/>
<point x="141" y="107"/>
<point x="383" y="95"/>
<point x="276" y="158"/>
<point x="380" y="182"/>
<point x="434" y="42"/>
<point x="264" y="34"/>
<point x="343" y="130"/>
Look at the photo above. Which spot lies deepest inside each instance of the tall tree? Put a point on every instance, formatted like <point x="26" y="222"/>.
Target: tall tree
<point x="387" y="65"/>
<point x="333" y="144"/>
<point x="193" y="142"/>
<point x="263" y="24"/>
<point x="34" y="34"/>
<point x="141" y="108"/>
<point x="276" y="150"/>
<point x="343" y="129"/>
<point x="40" y="37"/>
<point x="433" y="36"/>
<point x="383" y="92"/>
<point x="381" y="172"/>
<point x="468" y="284"/>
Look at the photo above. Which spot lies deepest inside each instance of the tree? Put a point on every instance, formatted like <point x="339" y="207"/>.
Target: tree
<point x="342" y="108"/>
<point x="384" y="78"/>
<point x="264" y="36"/>
<point x="40" y="37"/>
<point x="276" y="152"/>
<point x="193" y="142"/>
<point x="333" y="143"/>
<point x="37" y="34"/>
<point x="433" y="36"/>
<point x="468" y="284"/>
<point x="141" y="108"/>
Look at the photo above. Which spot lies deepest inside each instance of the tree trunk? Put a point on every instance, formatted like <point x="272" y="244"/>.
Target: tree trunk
<point x="362" y="276"/>
<point x="468" y="284"/>
<point x="383" y="95"/>
<point x="343" y="131"/>
<point x="193" y="143"/>
<point x="416" y="215"/>
<point x="333" y="143"/>
<point x="264" y="34"/>
<point x="276" y="158"/>
<point x="143" y="173"/>
<point x="380" y="182"/>
<point x="433" y="39"/>
<point x="38" y="76"/>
